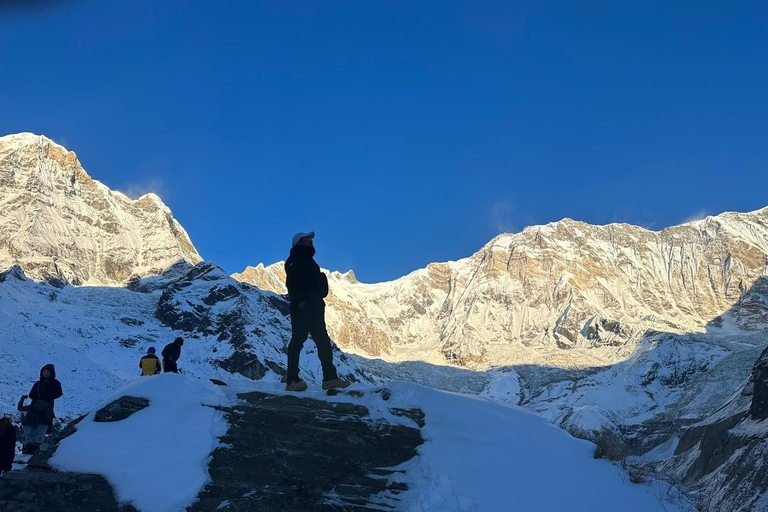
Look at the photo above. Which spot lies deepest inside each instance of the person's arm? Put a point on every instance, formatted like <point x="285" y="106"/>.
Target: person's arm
<point x="323" y="284"/>
<point x="158" y="366"/>
<point x="57" y="391"/>
<point x="33" y="394"/>
<point x="21" y="407"/>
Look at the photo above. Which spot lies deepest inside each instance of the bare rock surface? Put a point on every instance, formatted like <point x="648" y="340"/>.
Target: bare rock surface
<point x="292" y="453"/>
<point x="281" y="453"/>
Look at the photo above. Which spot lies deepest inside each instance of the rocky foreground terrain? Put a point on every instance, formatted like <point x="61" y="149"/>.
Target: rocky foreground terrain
<point x="280" y="453"/>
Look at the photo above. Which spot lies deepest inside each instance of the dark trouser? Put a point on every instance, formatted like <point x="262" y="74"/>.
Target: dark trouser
<point x="310" y="320"/>
<point x="170" y="366"/>
<point x="35" y="434"/>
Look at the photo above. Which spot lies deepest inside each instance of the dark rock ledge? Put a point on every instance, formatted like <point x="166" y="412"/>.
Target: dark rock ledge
<point x="289" y="453"/>
<point x="40" y="488"/>
<point x="281" y="453"/>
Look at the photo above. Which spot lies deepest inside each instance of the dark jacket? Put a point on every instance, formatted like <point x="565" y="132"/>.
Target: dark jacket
<point x="172" y="352"/>
<point x="7" y="447"/>
<point x="47" y="390"/>
<point x="303" y="277"/>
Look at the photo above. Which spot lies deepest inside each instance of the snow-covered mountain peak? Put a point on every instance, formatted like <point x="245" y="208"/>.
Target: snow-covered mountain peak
<point x="24" y="139"/>
<point x="57" y="222"/>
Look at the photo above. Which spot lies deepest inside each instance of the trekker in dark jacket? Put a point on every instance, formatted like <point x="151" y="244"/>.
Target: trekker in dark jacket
<point x="7" y="443"/>
<point x="308" y="286"/>
<point x="39" y="415"/>
<point x="149" y="364"/>
<point x="171" y="354"/>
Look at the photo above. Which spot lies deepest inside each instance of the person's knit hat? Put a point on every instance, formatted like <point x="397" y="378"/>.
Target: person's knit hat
<point x="299" y="236"/>
<point x="151" y="350"/>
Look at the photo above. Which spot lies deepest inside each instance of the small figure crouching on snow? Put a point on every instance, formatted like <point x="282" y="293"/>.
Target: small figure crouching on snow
<point x="150" y="363"/>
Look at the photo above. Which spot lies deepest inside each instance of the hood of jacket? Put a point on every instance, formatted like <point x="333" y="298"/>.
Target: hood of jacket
<point x="50" y="368"/>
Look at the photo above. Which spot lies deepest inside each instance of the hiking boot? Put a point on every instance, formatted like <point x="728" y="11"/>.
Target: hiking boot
<point x="297" y="385"/>
<point x="30" y="448"/>
<point x="335" y="383"/>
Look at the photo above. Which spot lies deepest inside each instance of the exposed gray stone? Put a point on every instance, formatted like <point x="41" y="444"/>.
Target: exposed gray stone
<point x="36" y="490"/>
<point x="120" y="409"/>
<point x="759" y="408"/>
<point x="286" y="453"/>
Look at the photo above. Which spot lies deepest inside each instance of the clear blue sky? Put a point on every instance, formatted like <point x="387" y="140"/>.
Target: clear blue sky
<point x="402" y="132"/>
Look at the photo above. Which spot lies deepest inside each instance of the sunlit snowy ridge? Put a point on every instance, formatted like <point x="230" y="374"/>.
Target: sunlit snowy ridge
<point x="567" y="294"/>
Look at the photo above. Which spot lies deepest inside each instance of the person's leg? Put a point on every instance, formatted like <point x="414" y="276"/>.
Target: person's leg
<point x="170" y="366"/>
<point x="30" y="434"/>
<point x="42" y="429"/>
<point x="299" y="332"/>
<point x="323" y="342"/>
<point x="34" y="435"/>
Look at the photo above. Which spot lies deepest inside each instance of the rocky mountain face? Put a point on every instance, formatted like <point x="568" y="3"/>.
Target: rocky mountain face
<point x="566" y="294"/>
<point x="57" y="223"/>
<point x="723" y="458"/>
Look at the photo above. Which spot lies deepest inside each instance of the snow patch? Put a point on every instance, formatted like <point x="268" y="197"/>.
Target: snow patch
<point x="157" y="458"/>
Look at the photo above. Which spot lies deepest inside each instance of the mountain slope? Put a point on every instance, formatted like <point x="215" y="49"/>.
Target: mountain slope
<point x="95" y="335"/>
<point x="567" y="294"/>
<point x="56" y="222"/>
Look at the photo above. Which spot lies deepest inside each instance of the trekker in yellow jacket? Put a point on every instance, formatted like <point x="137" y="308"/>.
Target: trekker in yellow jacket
<point x="150" y="363"/>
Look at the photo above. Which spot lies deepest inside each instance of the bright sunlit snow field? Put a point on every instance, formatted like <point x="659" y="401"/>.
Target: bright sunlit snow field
<point x="478" y="455"/>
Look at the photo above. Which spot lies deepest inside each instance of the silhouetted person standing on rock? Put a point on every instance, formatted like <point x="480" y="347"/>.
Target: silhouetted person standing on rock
<point x="308" y="286"/>
<point x="171" y="354"/>
<point x="39" y="415"/>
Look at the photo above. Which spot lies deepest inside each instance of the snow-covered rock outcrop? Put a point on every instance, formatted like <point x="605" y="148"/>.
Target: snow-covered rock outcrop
<point x="58" y="223"/>
<point x="252" y="446"/>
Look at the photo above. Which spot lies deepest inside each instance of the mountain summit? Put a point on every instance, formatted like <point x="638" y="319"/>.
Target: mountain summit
<point x="58" y="223"/>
